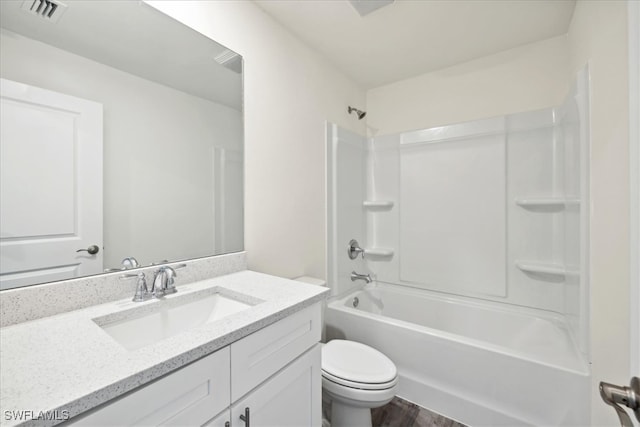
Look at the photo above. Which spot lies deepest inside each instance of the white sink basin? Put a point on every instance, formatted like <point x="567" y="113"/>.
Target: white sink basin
<point x="135" y="332"/>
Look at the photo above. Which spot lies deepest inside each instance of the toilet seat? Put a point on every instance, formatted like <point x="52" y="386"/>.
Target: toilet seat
<point x="358" y="385"/>
<point x="355" y="365"/>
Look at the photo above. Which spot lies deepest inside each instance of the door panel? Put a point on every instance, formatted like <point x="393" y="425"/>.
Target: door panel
<point x="43" y="139"/>
<point x="50" y="185"/>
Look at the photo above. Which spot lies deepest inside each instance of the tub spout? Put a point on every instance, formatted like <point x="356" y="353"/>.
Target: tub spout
<point x="355" y="276"/>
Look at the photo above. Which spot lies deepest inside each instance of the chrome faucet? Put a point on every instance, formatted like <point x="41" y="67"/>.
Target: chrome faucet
<point x="164" y="279"/>
<point x="163" y="283"/>
<point x="355" y="276"/>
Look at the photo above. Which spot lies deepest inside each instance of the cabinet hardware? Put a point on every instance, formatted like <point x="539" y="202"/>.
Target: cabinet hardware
<point x="245" y="417"/>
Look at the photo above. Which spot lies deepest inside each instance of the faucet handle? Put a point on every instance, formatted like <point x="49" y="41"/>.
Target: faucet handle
<point x="142" y="292"/>
<point x="354" y="249"/>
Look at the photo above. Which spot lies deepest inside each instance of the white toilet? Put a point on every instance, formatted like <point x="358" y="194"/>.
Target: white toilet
<point x="357" y="378"/>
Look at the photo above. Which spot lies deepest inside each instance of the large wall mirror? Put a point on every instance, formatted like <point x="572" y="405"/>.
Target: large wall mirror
<point x="122" y="141"/>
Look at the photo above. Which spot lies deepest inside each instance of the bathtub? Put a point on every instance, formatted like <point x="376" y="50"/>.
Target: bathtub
<point x="477" y="362"/>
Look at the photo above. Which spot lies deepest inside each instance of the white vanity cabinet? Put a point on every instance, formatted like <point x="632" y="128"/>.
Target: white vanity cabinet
<point x="273" y="375"/>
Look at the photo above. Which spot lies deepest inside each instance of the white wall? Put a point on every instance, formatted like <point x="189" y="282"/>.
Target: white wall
<point x="289" y="93"/>
<point x="526" y="78"/>
<point x="158" y="152"/>
<point x="598" y="34"/>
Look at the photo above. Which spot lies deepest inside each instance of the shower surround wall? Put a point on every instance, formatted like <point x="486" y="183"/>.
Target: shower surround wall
<point x="489" y="213"/>
<point x="346" y="153"/>
<point x="489" y="209"/>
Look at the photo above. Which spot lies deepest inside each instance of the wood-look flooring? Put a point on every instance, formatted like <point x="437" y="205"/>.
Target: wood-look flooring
<point x="400" y="413"/>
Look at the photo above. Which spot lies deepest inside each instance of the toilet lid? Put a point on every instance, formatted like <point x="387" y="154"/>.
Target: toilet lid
<point x="357" y="363"/>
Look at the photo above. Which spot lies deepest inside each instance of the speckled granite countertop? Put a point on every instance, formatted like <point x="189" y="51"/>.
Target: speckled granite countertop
<point x="68" y="363"/>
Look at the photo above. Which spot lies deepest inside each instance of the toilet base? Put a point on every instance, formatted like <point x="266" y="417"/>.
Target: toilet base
<point x="349" y="416"/>
<point x="347" y="412"/>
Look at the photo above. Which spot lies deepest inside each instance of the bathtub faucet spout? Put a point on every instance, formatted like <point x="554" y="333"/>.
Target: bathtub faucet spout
<point x="355" y="276"/>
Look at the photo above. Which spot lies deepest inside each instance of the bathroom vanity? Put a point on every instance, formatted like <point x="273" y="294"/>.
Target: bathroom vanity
<point x="239" y="349"/>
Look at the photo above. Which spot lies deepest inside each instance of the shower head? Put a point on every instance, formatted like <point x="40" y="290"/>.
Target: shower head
<point x="359" y="113"/>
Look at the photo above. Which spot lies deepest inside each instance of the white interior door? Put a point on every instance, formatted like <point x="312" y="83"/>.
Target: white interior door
<point x="50" y="185"/>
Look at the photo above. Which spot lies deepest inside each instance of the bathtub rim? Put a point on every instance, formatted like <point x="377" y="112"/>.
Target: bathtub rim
<point x="339" y="302"/>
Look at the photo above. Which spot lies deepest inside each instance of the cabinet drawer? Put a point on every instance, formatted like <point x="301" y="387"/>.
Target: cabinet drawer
<point x="190" y="396"/>
<point x="263" y="353"/>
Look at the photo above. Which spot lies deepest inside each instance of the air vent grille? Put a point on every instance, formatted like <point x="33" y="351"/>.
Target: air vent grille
<point x="49" y="10"/>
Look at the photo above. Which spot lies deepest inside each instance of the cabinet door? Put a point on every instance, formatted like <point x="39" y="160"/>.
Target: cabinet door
<point x="292" y="397"/>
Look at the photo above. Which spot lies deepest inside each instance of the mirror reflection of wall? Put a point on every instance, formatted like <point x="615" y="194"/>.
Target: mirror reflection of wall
<point x="172" y="132"/>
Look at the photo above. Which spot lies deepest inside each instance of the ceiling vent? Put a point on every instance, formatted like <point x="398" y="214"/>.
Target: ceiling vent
<point x="49" y="10"/>
<point x="365" y="7"/>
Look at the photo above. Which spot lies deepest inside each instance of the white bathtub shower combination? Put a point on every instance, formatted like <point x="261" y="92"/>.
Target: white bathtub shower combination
<point x="476" y="235"/>
<point x="476" y="362"/>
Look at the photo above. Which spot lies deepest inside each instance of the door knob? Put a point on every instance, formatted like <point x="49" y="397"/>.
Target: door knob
<point x="628" y="396"/>
<point x="93" y="249"/>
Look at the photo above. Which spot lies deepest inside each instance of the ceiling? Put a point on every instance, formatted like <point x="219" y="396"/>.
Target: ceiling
<point x="412" y="37"/>
<point x="134" y="37"/>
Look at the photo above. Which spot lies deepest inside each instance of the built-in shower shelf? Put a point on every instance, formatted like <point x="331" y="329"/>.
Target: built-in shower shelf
<point x="545" y="268"/>
<point x="546" y="202"/>
<point x="378" y="252"/>
<point x="377" y="204"/>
